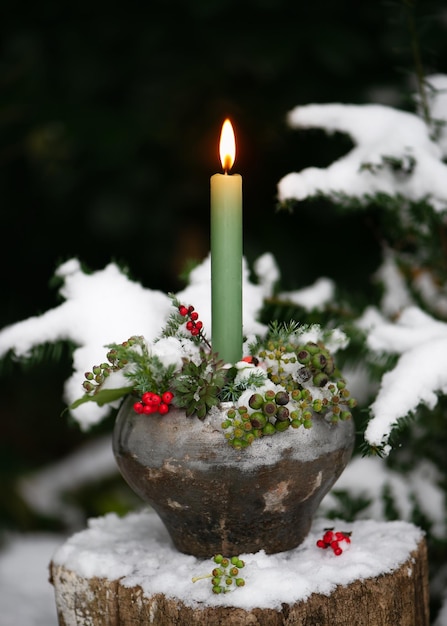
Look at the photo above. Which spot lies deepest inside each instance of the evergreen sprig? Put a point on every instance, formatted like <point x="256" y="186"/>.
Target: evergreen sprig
<point x="145" y="372"/>
<point x="198" y="385"/>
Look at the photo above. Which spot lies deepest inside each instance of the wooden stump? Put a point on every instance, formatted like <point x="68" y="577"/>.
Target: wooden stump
<point x="396" y="597"/>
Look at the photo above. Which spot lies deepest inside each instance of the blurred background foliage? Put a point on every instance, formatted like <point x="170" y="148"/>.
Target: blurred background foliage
<point x="110" y="116"/>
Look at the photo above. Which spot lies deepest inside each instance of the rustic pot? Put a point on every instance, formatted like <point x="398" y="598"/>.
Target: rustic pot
<point x="215" y="499"/>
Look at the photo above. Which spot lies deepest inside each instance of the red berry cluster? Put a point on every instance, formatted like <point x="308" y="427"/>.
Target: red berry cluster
<point x="153" y="403"/>
<point x="332" y="540"/>
<point x="194" y="325"/>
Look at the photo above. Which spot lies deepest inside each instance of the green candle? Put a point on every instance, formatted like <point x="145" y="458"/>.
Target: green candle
<point x="226" y="254"/>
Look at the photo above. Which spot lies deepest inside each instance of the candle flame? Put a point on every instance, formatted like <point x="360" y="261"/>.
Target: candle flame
<point x="227" y="147"/>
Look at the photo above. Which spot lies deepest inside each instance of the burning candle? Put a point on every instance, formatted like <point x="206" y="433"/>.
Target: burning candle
<point x="226" y="253"/>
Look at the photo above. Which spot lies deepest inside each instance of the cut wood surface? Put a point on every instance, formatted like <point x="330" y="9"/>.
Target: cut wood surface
<point x="394" y="598"/>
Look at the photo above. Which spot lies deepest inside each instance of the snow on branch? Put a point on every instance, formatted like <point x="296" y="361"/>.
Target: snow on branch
<point x="419" y="375"/>
<point x="106" y="307"/>
<point x="393" y="154"/>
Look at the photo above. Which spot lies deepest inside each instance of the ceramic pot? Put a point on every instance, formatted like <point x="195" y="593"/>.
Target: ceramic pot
<point x="215" y="499"/>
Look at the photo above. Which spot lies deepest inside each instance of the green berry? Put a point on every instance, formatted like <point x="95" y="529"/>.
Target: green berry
<point x="270" y="395"/>
<point x="330" y="365"/>
<point x="258" y="419"/>
<point x="238" y="444"/>
<point x="312" y="347"/>
<point x="282" y="414"/>
<point x="320" y="379"/>
<point x="303" y="357"/>
<point x="282" y="398"/>
<point x="240" y="582"/>
<point x="256" y="401"/>
<point x="218" y="558"/>
<point x="317" y="405"/>
<point x="296" y="394"/>
<point x="269" y="429"/>
<point x="269" y="409"/>
<point x="282" y="426"/>
<point x="226" y="424"/>
<point x="319" y="360"/>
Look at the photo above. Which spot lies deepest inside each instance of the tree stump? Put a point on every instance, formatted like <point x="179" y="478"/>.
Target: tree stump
<point x="125" y="572"/>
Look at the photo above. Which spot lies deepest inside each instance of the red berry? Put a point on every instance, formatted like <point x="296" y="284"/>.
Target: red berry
<point x="194" y="316"/>
<point x="147" y="397"/>
<point x="328" y="536"/>
<point x="163" y="408"/>
<point x="190" y="308"/>
<point x="148" y="409"/>
<point x="195" y="331"/>
<point x="138" y="407"/>
<point x="190" y="325"/>
<point x="199" y="325"/>
<point x="183" y="310"/>
<point x="322" y="544"/>
<point x="337" y="551"/>
<point x="156" y="399"/>
<point x="167" y="397"/>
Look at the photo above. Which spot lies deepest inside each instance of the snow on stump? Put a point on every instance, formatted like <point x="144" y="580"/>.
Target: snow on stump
<point x="126" y="572"/>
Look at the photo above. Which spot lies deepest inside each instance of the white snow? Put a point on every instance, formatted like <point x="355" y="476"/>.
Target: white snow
<point x="45" y="491"/>
<point x="381" y="135"/>
<point x="420" y="373"/>
<point x="315" y="296"/>
<point x="26" y="595"/>
<point x="368" y="477"/>
<point x="137" y="549"/>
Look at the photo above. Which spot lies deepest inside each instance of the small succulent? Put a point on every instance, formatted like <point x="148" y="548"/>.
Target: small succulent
<point x="197" y="386"/>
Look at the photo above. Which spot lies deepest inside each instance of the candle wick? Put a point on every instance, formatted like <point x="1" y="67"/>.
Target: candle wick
<point x="227" y="164"/>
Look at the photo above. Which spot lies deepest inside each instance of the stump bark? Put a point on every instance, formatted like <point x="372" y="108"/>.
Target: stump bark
<point x="396" y="598"/>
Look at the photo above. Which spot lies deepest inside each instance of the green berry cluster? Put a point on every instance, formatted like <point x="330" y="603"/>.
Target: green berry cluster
<point x="225" y="577"/>
<point x="316" y="363"/>
<point x="116" y="360"/>
<point x="267" y="414"/>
